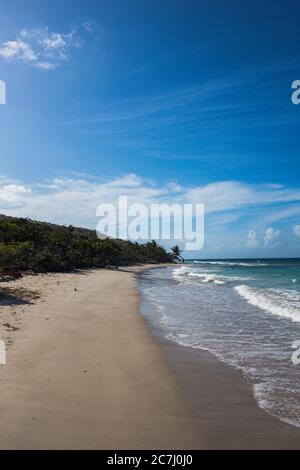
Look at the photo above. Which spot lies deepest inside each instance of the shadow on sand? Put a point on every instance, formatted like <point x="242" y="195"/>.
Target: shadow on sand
<point x="10" y="296"/>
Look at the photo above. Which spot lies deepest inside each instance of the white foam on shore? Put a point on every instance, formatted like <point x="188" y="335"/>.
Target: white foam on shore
<point x="207" y="277"/>
<point x="185" y="272"/>
<point x="284" y="303"/>
<point x="203" y="315"/>
<point x="232" y="263"/>
<point x="265" y="393"/>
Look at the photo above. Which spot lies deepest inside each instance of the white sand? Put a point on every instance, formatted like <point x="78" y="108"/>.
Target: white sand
<point x="83" y="372"/>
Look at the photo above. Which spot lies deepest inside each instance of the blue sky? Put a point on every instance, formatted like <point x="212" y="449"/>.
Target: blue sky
<point x="160" y="100"/>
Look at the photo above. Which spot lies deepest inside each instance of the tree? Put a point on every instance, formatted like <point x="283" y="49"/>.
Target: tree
<point x="177" y="253"/>
<point x="41" y="247"/>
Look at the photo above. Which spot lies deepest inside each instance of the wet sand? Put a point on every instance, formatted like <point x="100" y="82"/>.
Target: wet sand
<point x="223" y="404"/>
<point x="85" y="371"/>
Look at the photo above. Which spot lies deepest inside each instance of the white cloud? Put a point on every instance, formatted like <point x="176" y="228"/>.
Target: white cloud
<point x="55" y="40"/>
<point x="12" y="193"/>
<point x="74" y="200"/>
<point x="225" y="195"/>
<point x="45" y="65"/>
<point x="271" y="236"/>
<point x="281" y="214"/>
<point x="175" y="187"/>
<point x="252" y="239"/>
<point x="296" y="230"/>
<point x="17" y="50"/>
<point x="40" y="47"/>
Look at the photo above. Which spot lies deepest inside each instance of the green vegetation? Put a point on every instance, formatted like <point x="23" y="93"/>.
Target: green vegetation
<point x="26" y="245"/>
<point x="177" y="253"/>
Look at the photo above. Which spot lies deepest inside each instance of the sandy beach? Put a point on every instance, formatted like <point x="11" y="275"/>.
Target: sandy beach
<point x="82" y="370"/>
<point x="85" y="372"/>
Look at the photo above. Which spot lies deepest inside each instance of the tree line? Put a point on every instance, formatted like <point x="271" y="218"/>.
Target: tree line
<point x="27" y="245"/>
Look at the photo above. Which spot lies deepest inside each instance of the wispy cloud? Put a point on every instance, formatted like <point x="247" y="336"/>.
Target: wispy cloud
<point x="159" y="124"/>
<point x="233" y="210"/>
<point x="228" y="195"/>
<point x="40" y="47"/>
<point x="74" y="200"/>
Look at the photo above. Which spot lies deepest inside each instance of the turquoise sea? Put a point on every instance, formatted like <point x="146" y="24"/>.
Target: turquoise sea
<point x="245" y="312"/>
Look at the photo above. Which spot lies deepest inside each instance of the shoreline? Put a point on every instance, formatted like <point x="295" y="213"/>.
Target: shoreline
<point x="86" y="370"/>
<point x="83" y="371"/>
<point x="222" y="401"/>
<point x="223" y="404"/>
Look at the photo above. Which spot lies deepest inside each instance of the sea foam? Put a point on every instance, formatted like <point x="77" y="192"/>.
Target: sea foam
<point x="284" y="303"/>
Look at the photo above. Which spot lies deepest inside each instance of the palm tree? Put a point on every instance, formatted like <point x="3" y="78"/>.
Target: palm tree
<point x="177" y="253"/>
<point x="153" y="244"/>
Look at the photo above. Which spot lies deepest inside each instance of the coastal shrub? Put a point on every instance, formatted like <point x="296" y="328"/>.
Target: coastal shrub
<point x="15" y="256"/>
<point x="41" y="247"/>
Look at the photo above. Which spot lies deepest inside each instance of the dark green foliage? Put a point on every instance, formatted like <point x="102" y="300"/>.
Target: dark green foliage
<point x="177" y="253"/>
<point x="40" y="247"/>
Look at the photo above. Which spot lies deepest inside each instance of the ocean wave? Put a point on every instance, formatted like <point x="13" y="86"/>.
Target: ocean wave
<point x="207" y="278"/>
<point x="281" y="302"/>
<point x="182" y="273"/>
<point x="231" y="263"/>
<point x="203" y="277"/>
<point x="179" y="273"/>
<point x="267" y="396"/>
<point x="223" y="321"/>
<point x="182" y="339"/>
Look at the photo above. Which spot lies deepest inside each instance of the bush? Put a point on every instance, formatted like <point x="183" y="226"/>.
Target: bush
<point x="40" y="247"/>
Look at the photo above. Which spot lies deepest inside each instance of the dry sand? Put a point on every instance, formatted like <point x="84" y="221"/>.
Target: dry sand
<point x="82" y="370"/>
